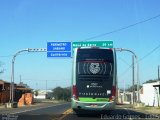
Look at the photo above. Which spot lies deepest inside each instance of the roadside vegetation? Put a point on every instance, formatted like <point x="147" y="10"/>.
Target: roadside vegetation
<point x="62" y="93"/>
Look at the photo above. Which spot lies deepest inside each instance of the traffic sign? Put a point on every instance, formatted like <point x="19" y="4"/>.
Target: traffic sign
<point x="59" y="54"/>
<point x="106" y="44"/>
<point x="59" y="46"/>
<point x="59" y="49"/>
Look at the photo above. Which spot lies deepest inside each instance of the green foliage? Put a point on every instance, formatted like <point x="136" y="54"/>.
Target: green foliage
<point x="151" y="81"/>
<point x="36" y="93"/>
<point x="62" y="93"/>
<point x="130" y="89"/>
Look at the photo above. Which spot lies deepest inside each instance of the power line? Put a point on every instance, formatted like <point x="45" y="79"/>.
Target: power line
<point x="126" y="27"/>
<point x="113" y="31"/>
<point x="149" y="53"/>
<point x="126" y="70"/>
<point x="123" y="28"/>
<point x="124" y="61"/>
<point x="4" y="56"/>
<point x="117" y="30"/>
<point x="19" y="54"/>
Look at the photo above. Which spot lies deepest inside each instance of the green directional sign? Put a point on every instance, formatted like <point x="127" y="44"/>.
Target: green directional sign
<point x="105" y="44"/>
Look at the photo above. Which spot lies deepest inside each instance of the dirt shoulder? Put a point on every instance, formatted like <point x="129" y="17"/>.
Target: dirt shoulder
<point x="142" y="109"/>
<point x="148" y="110"/>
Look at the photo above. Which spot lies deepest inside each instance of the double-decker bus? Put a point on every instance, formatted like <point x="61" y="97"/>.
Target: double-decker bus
<point x="94" y="79"/>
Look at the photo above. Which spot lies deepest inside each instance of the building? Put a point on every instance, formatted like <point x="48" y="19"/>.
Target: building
<point x="5" y="91"/>
<point x="151" y="94"/>
<point x="126" y="97"/>
<point x="20" y="90"/>
<point x="43" y="94"/>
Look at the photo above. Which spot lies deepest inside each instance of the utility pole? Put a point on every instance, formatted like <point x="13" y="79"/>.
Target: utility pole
<point x="36" y="86"/>
<point x="158" y="72"/>
<point x="46" y="86"/>
<point x="159" y="85"/>
<point x="133" y="90"/>
<point x="63" y="95"/>
<point x="124" y="92"/>
<point x="124" y="86"/>
<point x="20" y="79"/>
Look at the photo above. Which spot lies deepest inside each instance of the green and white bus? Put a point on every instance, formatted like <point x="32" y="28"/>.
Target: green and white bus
<point x="94" y="79"/>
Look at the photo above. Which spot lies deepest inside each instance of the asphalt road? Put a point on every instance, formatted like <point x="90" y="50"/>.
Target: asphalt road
<point x="122" y="112"/>
<point x="42" y="112"/>
<point x="64" y="112"/>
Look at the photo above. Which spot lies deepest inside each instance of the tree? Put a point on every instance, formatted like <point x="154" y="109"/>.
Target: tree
<point x="36" y="93"/>
<point x="130" y="89"/>
<point x="151" y="81"/>
<point x="62" y="93"/>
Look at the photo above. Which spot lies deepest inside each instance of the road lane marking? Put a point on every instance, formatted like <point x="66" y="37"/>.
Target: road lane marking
<point x="37" y="109"/>
<point x="67" y="112"/>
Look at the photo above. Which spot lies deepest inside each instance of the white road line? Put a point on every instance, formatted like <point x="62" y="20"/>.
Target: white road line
<point x="37" y="109"/>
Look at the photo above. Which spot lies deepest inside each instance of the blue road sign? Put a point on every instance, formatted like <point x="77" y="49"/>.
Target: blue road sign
<point x="59" y="49"/>
<point x="59" y="46"/>
<point x="59" y="54"/>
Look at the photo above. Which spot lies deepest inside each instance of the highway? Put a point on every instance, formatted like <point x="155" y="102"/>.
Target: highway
<point x="63" y="111"/>
<point x="120" y="113"/>
<point x="48" y="111"/>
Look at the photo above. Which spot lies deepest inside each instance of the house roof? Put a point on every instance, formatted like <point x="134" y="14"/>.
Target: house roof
<point x="155" y="82"/>
<point x="23" y="89"/>
<point x="156" y="85"/>
<point x="2" y="82"/>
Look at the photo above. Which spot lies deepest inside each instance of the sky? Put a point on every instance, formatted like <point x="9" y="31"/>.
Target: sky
<point x="33" y="23"/>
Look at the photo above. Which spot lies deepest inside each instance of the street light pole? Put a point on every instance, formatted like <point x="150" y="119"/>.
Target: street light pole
<point x="137" y="64"/>
<point x="138" y="81"/>
<point x="133" y="79"/>
<point x="46" y="89"/>
<point x="12" y="73"/>
<point x="12" y="76"/>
